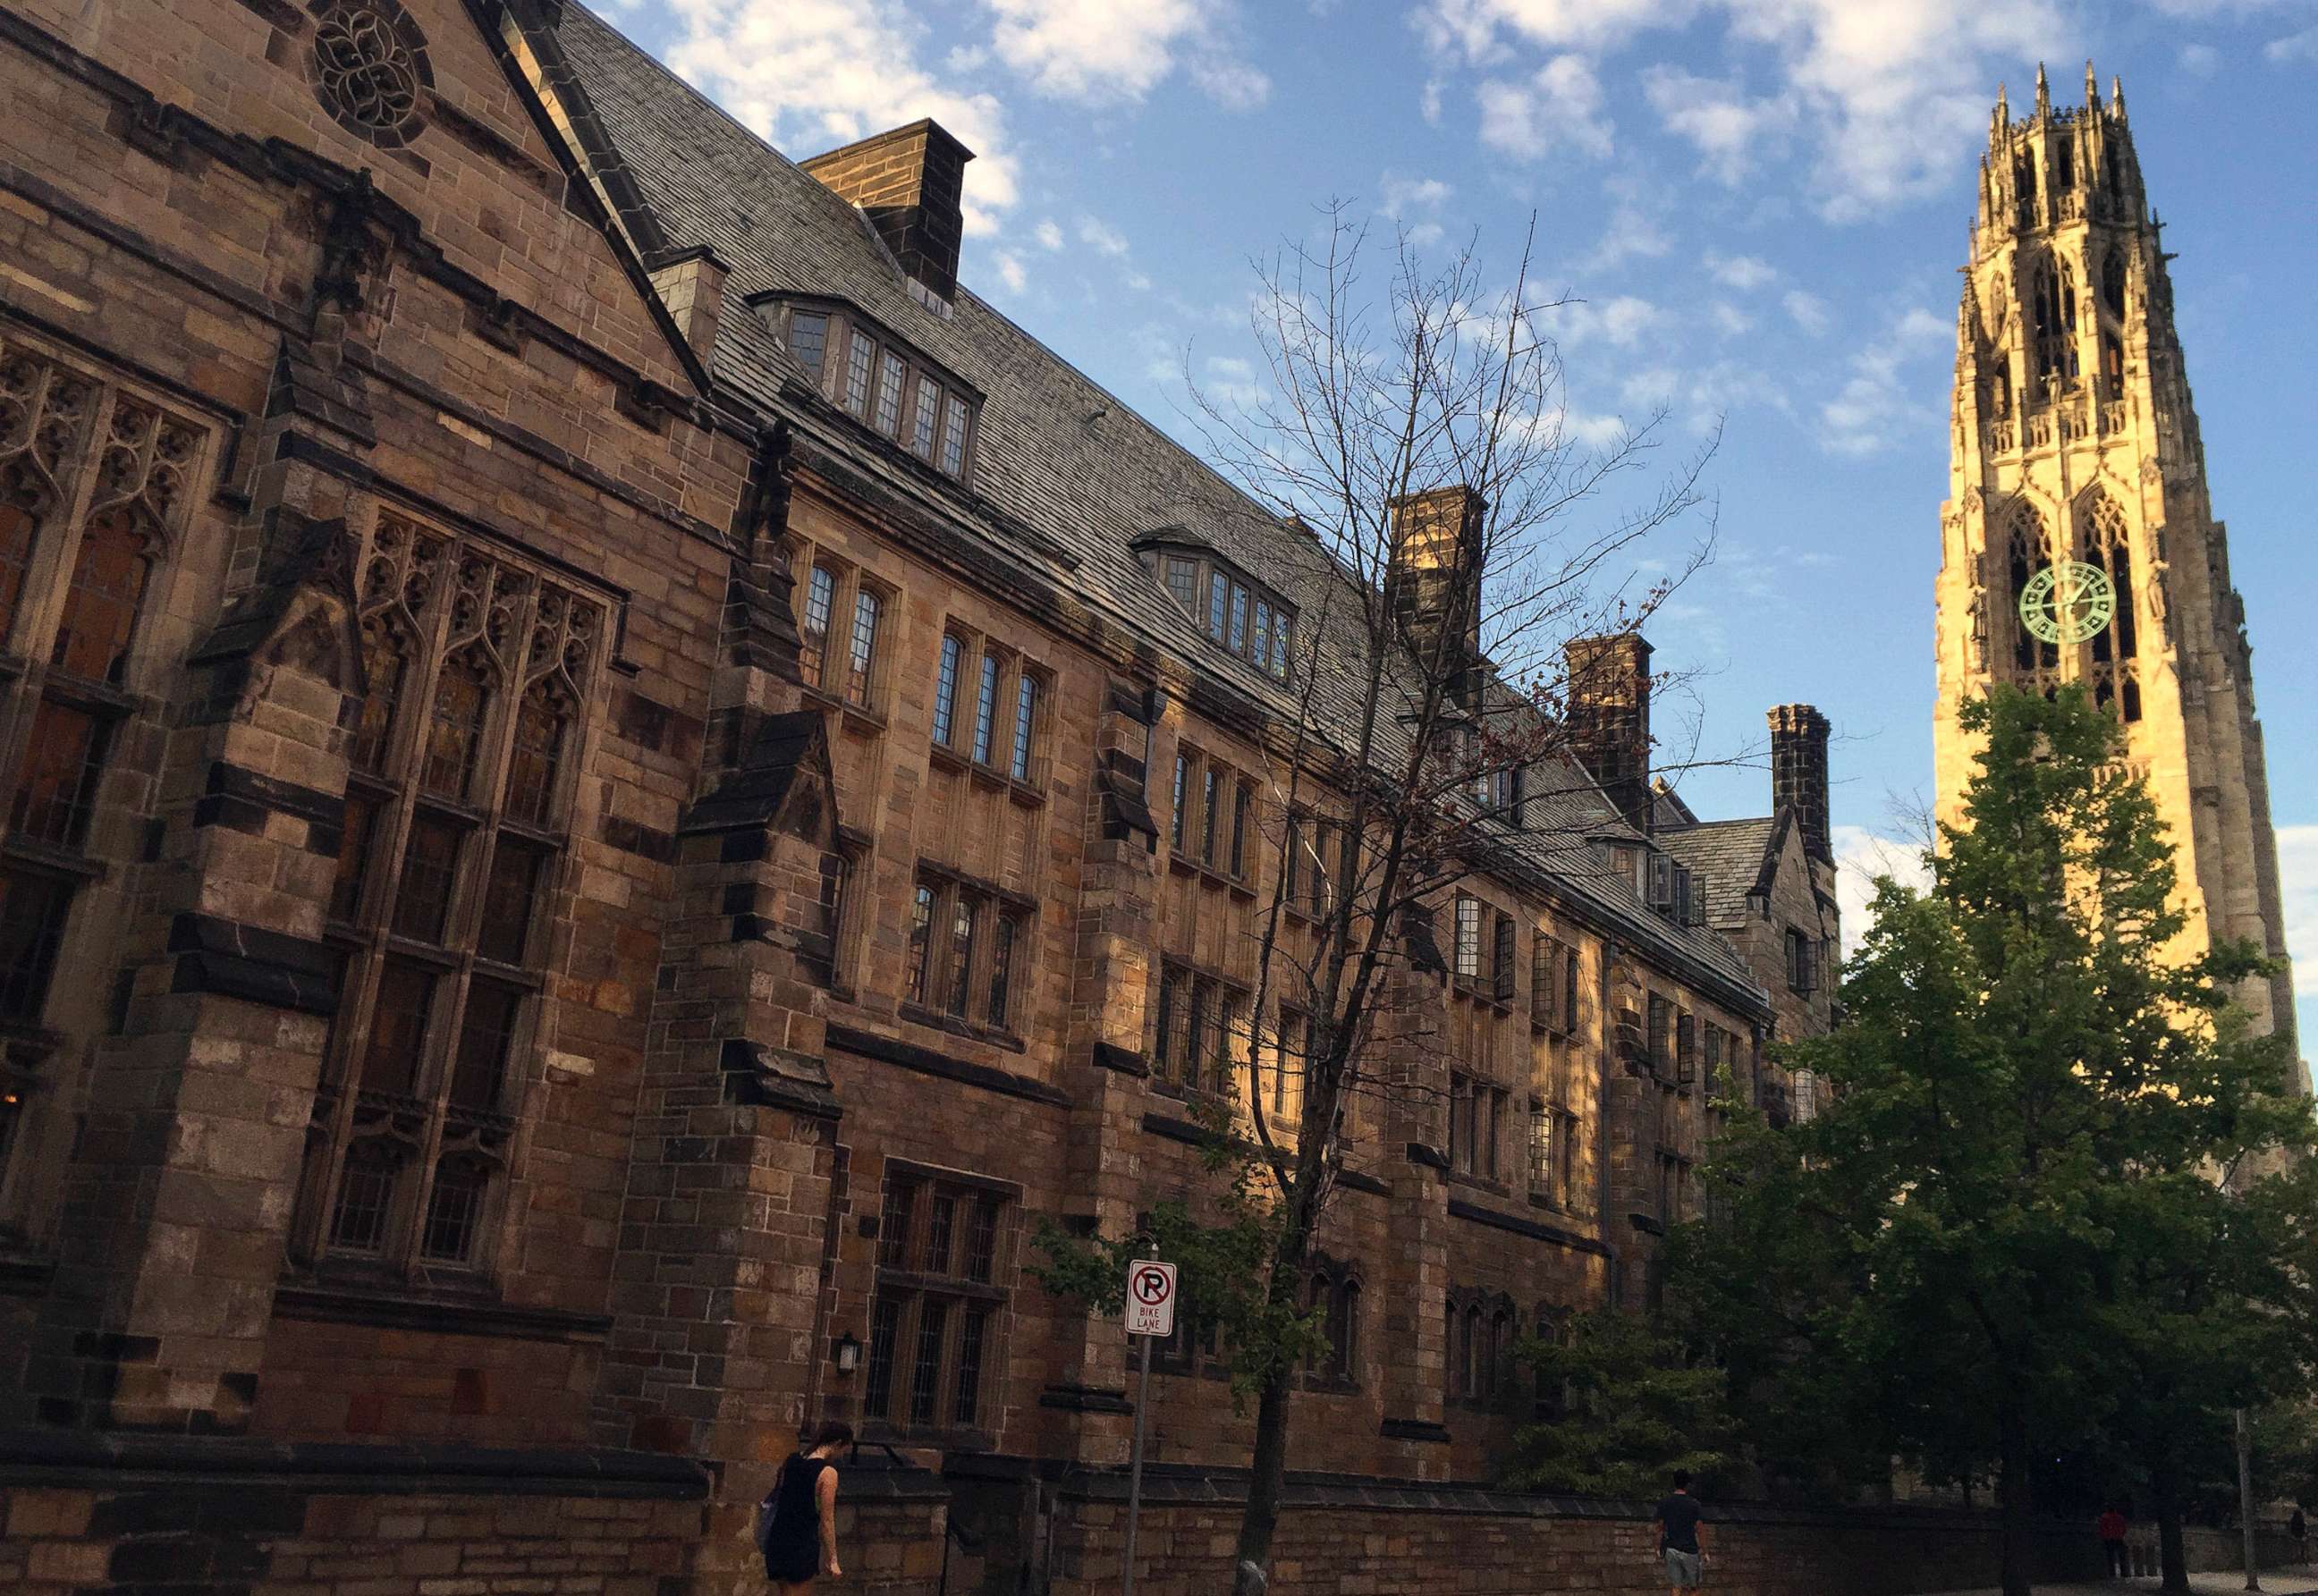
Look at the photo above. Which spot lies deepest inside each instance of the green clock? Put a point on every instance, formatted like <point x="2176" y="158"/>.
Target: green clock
<point x="2068" y="602"/>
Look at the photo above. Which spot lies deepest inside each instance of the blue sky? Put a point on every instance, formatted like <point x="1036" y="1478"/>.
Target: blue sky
<point x="1762" y="203"/>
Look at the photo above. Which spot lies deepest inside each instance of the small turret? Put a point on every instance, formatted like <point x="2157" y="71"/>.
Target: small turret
<point x="2117" y="97"/>
<point x="2043" y="93"/>
<point x="2092" y="88"/>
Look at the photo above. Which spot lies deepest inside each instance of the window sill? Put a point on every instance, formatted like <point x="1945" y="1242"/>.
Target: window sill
<point x="319" y="1299"/>
<point x="1238" y="885"/>
<point x="49" y="857"/>
<point x="859" y="717"/>
<point x="952" y="1025"/>
<point x="879" y="1432"/>
<point x="1479" y="1183"/>
<point x="1469" y="987"/>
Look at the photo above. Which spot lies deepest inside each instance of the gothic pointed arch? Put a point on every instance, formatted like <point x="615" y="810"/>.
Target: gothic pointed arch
<point x="2028" y="548"/>
<point x="2105" y="542"/>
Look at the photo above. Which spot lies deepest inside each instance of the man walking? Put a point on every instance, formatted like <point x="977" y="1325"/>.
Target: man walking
<point x="1682" y="1537"/>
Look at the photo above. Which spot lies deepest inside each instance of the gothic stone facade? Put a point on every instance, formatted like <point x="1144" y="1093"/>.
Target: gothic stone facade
<point x="2074" y="439"/>
<point x="612" y="786"/>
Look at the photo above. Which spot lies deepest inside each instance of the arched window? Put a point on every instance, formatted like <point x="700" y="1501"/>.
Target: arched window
<point x="2113" y="282"/>
<point x="366" y="1193"/>
<point x="2112" y="365"/>
<point x="2068" y="164"/>
<point x="2030" y="553"/>
<point x="24" y="499"/>
<point x="2116" y="646"/>
<point x="534" y="769"/>
<point x="1476" y="1353"/>
<point x="454" y="1208"/>
<point x="386" y="664"/>
<point x="1344" y="1331"/>
<point x="454" y="732"/>
<point x="102" y="602"/>
<point x="2052" y="305"/>
<point x="1501" y="1353"/>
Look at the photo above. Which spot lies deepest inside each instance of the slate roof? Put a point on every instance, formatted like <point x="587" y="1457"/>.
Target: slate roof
<point x="1735" y="856"/>
<point x="1066" y="476"/>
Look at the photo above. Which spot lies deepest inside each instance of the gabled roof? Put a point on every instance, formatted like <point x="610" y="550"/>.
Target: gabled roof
<point x="1737" y="857"/>
<point x="1056" y="456"/>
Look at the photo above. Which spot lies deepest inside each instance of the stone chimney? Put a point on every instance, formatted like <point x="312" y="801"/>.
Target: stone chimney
<point x="910" y="183"/>
<point x="1799" y="773"/>
<point x="1433" y="577"/>
<point x="1609" y="718"/>
<point x="691" y="284"/>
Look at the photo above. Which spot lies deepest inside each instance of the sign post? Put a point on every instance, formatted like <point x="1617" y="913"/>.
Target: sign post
<point x="1150" y="1316"/>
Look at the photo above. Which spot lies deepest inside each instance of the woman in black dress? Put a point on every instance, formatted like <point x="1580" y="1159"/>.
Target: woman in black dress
<point x="799" y="1536"/>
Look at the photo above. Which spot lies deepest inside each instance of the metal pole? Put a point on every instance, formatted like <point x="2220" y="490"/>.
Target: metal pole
<point x="2245" y="1502"/>
<point x="1135" y="1465"/>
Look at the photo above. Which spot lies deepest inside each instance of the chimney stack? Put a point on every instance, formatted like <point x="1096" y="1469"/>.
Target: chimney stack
<point x="1799" y="773"/>
<point x="1609" y="718"/>
<point x="1433" y="578"/>
<point x="910" y="184"/>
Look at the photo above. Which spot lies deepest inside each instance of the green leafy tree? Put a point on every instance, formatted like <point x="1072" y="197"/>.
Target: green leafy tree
<point x="1625" y="1407"/>
<point x="2042" y="1110"/>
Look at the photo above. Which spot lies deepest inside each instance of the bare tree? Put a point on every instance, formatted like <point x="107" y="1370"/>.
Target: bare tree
<point x="1418" y="436"/>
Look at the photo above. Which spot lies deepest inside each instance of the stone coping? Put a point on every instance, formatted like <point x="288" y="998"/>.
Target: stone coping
<point x="88" y="1459"/>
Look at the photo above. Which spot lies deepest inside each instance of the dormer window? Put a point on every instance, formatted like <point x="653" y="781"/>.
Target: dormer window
<point x="881" y="381"/>
<point x="1235" y="611"/>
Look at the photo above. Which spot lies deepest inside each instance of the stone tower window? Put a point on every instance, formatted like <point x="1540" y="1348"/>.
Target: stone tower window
<point x="2052" y="299"/>
<point x="458" y="799"/>
<point x="94" y="482"/>
<point x="2112" y="282"/>
<point x="2029" y="552"/>
<point x="2115" y="674"/>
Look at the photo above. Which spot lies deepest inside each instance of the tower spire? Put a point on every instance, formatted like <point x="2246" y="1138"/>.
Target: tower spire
<point x="2117" y="97"/>
<point x="2043" y="92"/>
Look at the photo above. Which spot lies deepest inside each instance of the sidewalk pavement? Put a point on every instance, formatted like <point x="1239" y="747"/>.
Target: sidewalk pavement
<point x="2229" y="1583"/>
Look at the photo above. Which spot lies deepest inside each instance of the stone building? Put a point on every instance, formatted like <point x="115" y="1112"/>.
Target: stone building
<point x="614" y="784"/>
<point x="2078" y="503"/>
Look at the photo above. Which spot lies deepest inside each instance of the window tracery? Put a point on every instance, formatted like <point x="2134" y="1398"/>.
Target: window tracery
<point x="2115" y="674"/>
<point x="2036" y="664"/>
<point x="458" y="795"/>
<point x="94" y="480"/>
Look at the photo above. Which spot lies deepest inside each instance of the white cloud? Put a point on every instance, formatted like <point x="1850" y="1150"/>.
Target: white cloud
<point x="1232" y="84"/>
<point x="811" y="75"/>
<point x="2293" y="47"/>
<point x="1107" y="52"/>
<point x="1231" y="380"/>
<point x="1011" y="271"/>
<point x="1728" y="320"/>
<point x="2200" y="60"/>
<point x="1730" y="131"/>
<point x="1875" y="405"/>
<point x="1629" y="234"/>
<point x="1890" y="93"/>
<point x="1620" y="320"/>
<point x="2297" y="874"/>
<point x="1861" y="856"/>
<point x="1102" y="236"/>
<point x="1806" y="310"/>
<point x="1745" y="272"/>
<point x="1560" y="105"/>
<point x="1396" y="197"/>
<point x="1048" y="235"/>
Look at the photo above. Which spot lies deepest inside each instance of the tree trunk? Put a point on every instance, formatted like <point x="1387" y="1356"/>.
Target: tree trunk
<point x="2165" y="1485"/>
<point x="1267" y="1471"/>
<point x="2012" y="1494"/>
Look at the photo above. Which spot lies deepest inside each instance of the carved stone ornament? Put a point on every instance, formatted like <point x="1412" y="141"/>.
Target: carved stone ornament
<point x="370" y="71"/>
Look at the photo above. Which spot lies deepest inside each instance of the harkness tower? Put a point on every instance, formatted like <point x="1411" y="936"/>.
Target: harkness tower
<point x="2078" y="542"/>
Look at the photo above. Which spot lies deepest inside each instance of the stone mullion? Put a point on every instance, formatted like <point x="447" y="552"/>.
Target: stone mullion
<point x="56" y="544"/>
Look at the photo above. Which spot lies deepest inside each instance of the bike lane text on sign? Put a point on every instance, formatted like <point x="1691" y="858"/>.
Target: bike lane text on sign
<point x="1150" y="1298"/>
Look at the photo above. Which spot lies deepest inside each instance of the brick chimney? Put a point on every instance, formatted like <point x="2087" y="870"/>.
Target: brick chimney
<point x="910" y="183"/>
<point x="1433" y="577"/>
<point x="1799" y="773"/>
<point x="1609" y="718"/>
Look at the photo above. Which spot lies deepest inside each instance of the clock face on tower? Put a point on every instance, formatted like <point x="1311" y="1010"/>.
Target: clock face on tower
<point x="2067" y="602"/>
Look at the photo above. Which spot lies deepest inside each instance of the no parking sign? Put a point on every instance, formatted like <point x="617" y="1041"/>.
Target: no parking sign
<point x="1150" y="1298"/>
